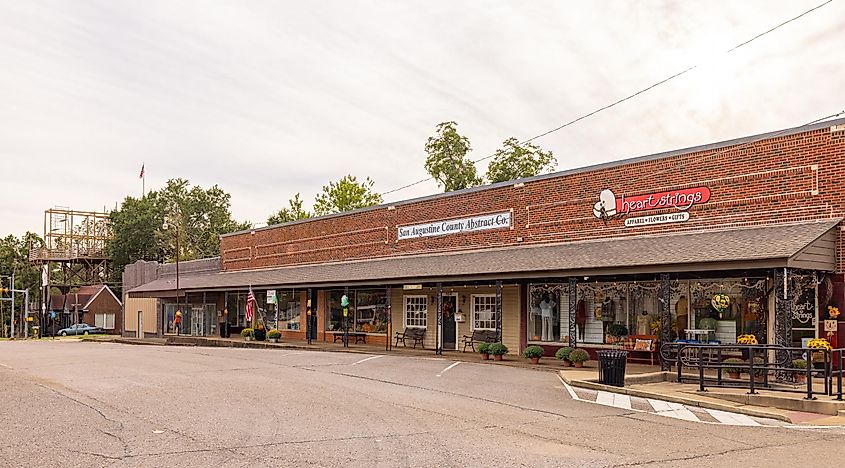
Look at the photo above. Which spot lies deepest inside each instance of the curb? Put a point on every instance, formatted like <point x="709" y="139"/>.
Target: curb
<point x="674" y="399"/>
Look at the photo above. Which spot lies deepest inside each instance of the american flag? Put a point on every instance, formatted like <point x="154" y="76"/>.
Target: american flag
<point x="250" y="306"/>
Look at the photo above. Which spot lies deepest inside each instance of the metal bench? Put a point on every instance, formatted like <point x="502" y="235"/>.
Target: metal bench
<point x="414" y="334"/>
<point x="479" y="336"/>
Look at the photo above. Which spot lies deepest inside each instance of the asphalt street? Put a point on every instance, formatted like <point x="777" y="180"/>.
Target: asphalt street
<point x="72" y="403"/>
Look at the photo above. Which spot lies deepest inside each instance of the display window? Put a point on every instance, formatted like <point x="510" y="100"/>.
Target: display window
<point x="704" y="310"/>
<point x="368" y="311"/>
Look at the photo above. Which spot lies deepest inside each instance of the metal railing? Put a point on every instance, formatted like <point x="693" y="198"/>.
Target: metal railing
<point x="772" y="367"/>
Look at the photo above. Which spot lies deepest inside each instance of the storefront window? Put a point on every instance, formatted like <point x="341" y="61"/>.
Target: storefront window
<point x="367" y="311"/>
<point x="805" y="316"/>
<point x="603" y="308"/>
<point x="290" y="309"/>
<point x="416" y="311"/>
<point x="548" y="313"/>
<point x="484" y="312"/>
<point x="743" y="312"/>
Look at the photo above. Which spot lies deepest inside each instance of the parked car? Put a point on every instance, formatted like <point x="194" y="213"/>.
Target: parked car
<point x="79" y="329"/>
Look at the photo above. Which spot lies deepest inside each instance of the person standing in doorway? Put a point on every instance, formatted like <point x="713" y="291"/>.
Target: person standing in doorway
<point x="224" y="323"/>
<point x="177" y="323"/>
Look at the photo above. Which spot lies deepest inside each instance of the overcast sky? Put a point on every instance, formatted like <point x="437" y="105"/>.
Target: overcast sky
<point x="270" y="98"/>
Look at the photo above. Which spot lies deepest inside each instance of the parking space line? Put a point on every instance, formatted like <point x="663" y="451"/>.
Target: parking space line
<point x="446" y="369"/>
<point x="367" y="359"/>
<point x="4" y="365"/>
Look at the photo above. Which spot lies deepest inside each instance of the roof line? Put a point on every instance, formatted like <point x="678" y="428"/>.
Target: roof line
<point x="566" y="172"/>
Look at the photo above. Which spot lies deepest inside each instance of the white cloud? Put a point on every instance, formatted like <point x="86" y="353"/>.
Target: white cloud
<point x="268" y="99"/>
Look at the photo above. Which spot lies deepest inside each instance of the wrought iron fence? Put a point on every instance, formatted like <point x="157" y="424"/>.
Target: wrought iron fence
<point x="772" y="367"/>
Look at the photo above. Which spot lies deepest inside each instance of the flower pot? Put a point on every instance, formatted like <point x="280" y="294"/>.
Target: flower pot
<point x="535" y="360"/>
<point x="273" y="340"/>
<point x="800" y="377"/>
<point x="485" y="356"/>
<point x="733" y="375"/>
<point x="759" y="378"/>
<point x="578" y="364"/>
<point x="247" y="338"/>
<point x="567" y="363"/>
<point x="498" y="357"/>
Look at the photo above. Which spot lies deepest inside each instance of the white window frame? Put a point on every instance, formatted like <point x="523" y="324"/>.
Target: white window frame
<point x="106" y="318"/>
<point x="405" y="302"/>
<point x="475" y="311"/>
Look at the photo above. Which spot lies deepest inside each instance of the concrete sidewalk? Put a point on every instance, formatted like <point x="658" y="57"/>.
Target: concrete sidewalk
<point x="784" y="406"/>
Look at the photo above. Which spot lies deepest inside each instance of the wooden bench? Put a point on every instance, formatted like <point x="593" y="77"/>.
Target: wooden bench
<point x="647" y="354"/>
<point x="479" y="336"/>
<point x="412" y="333"/>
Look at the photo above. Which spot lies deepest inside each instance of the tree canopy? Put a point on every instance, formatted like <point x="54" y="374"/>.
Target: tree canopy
<point x="292" y="213"/>
<point x="515" y="160"/>
<point x="14" y="258"/>
<point x="345" y="195"/>
<point x="447" y="160"/>
<point x="147" y="228"/>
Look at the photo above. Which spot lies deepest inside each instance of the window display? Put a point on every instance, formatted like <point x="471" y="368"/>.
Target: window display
<point x="367" y="311"/>
<point x="706" y="310"/>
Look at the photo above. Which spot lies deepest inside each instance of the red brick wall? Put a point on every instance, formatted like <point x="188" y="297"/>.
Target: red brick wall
<point x="779" y="179"/>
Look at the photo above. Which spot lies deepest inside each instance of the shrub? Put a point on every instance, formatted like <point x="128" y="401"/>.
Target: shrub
<point x="579" y="355"/>
<point x="563" y="353"/>
<point x="246" y="332"/>
<point x="617" y="330"/>
<point x="484" y="348"/>
<point x="498" y="349"/>
<point x="274" y="334"/>
<point x="737" y="362"/>
<point x="533" y="352"/>
<point x="799" y="364"/>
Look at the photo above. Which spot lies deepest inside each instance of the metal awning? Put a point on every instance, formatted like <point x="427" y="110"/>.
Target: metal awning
<point x="806" y="245"/>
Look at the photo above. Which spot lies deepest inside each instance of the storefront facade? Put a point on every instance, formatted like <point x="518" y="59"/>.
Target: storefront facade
<point x="559" y="259"/>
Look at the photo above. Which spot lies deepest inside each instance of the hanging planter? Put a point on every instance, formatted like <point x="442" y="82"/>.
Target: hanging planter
<point x="720" y="302"/>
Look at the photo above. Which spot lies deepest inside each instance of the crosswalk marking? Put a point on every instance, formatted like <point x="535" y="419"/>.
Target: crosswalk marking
<point x="732" y="418"/>
<point x="670" y="409"/>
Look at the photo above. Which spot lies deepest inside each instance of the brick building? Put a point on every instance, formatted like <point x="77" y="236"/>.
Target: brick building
<point x="706" y="243"/>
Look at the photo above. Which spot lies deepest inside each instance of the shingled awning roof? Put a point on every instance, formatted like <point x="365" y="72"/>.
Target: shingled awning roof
<point x="802" y="245"/>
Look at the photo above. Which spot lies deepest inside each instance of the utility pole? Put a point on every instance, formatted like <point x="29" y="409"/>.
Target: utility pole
<point x="26" y="313"/>
<point x="12" y="319"/>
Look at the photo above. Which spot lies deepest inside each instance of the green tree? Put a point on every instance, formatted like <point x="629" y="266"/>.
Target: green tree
<point x="136" y="227"/>
<point x="147" y="228"/>
<point x="293" y="213"/>
<point x="345" y="195"/>
<point x="515" y="160"/>
<point x="14" y="258"/>
<point x="447" y="160"/>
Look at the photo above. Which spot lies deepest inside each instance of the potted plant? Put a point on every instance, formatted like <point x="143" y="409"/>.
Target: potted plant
<point x="733" y="372"/>
<point x="247" y="334"/>
<point x="615" y="331"/>
<point x="563" y="355"/>
<point x="534" y="353"/>
<point x="260" y="333"/>
<point x="818" y="345"/>
<point x="498" y="350"/>
<point x="578" y="357"/>
<point x="274" y="335"/>
<point x="484" y="351"/>
<point x="800" y="374"/>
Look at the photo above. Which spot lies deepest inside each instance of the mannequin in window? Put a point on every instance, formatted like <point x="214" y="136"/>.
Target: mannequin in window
<point x="547" y="313"/>
<point x="644" y="323"/>
<point x="581" y="318"/>
<point x="537" y="320"/>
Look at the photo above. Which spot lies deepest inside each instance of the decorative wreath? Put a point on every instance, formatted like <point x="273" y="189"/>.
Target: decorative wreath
<point x="720" y="302"/>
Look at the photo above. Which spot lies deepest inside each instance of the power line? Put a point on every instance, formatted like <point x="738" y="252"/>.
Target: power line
<point x="630" y="96"/>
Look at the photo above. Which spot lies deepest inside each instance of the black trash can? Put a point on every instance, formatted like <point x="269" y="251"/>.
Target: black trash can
<point x="612" y="367"/>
